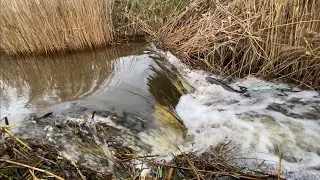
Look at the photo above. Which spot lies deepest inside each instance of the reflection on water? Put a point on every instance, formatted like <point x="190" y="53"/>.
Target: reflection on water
<point x="129" y="82"/>
<point x="37" y="82"/>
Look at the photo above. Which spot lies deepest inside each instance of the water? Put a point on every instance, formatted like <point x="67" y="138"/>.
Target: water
<point x="119" y="79"/>
<point x="275" y="118"/>
<point x="106" y="99"/>
<point x="137" y="96"/>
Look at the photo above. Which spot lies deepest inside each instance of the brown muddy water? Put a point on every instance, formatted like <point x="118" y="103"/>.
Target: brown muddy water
<point x="129" y="80"/>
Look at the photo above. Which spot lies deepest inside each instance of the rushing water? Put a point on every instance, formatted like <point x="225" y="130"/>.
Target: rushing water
<point x="138" y="97"/>
<point x="271" y="118"/>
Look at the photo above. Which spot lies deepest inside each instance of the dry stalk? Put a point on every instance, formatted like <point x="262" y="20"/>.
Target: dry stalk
<point x="271" y="39"/>
<point x="32" y="168"/>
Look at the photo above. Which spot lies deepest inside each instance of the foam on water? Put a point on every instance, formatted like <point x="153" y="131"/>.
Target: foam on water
<point x="275" y="118"/>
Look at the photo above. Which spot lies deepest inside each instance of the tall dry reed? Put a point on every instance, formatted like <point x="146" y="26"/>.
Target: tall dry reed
<point x="30" y="26"/>
<point x="154" y="12"/>
<point x="275" y="39"/>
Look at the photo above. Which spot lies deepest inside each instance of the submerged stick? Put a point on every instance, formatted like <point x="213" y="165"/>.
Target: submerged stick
<point x="279" y="168"/>
<point x="33" y="168"/>
<point x="5" y="129"/>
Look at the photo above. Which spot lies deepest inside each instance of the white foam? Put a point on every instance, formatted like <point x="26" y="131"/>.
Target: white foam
<point x="213" y="114"/>
<point x="162" y="141"/>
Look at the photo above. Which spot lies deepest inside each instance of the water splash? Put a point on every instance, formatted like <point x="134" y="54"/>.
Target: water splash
<point x="275" y="118"/>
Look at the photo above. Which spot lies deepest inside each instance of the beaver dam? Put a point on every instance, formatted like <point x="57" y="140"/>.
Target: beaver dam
<point x="134" y="111"/>
<point x="168" y="89"/>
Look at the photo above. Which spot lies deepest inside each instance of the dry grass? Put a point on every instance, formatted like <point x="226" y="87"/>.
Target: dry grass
<point x="153" y="12"/>
<point x="268" y="38"/>
<point x="34" y="26"/>
<point x="274" y="39"/>
<point x="30" y="26"/>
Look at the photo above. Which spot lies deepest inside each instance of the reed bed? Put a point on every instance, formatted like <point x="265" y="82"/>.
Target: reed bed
<point x="31" y="26"/>
<point x="272" y="39"/>
<point x="266" y="38"/>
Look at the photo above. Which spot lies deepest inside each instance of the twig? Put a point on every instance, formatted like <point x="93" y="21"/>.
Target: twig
<point x="20" y="153"/>
<point x="6" y="121"/>
<point x="7" y="126"/>
<point x="191" y="164"/>
<point x="170" y="173"/>
<point x="78" y="170"/>
<point x="279" y="168"/>
<point x="33" y="175"/>
<point x="33" y="168"/>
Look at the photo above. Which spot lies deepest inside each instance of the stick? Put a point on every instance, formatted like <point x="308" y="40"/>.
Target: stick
<point x="32" y="173"/>
<point x="6" y="121"/>
<point x="79" y="172"/>
<point x="170" y="173"/>
<point x="33" y="168"/>
<point x="192" y="166"/>
<point x="279" y="168"/>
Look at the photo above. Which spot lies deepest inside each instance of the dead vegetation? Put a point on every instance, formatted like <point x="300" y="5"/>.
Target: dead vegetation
<point x="213" y="164"/>
<point x="33" y="159"/>
<point x="37" y="159"/>
<point x="30" y="26"/>
<point x="43" y="161"/>
<point x="270" y="39"/>
<point x="267" y="38"/>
